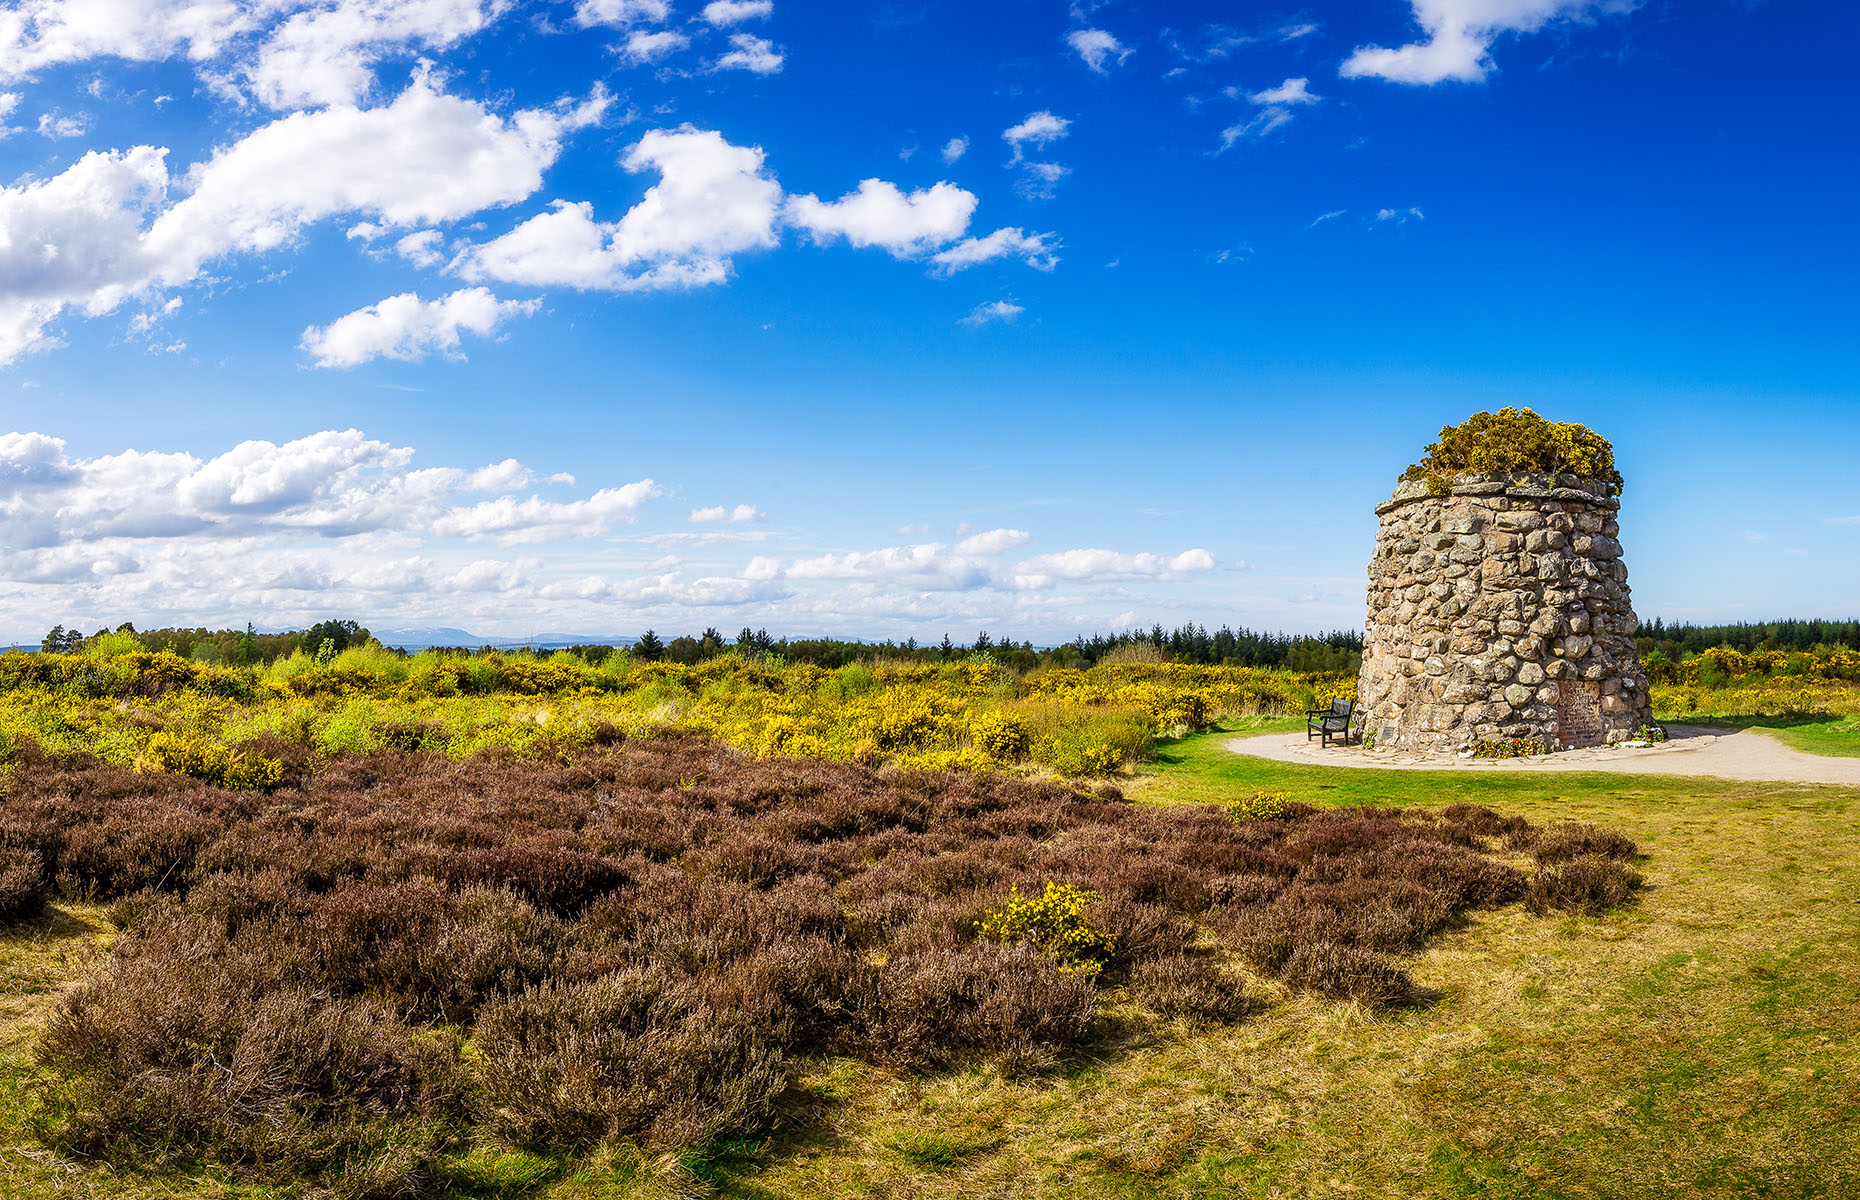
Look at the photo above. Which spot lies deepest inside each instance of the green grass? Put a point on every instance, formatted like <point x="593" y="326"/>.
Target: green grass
<point x="1703" y="1042"/>
<point x="1835" y="736"/>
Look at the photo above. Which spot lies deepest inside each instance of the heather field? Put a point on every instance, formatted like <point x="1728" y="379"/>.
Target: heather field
<point x="589" y="930"/>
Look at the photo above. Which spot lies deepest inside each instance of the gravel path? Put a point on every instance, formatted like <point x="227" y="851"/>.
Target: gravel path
<point x="1691" y="750"/>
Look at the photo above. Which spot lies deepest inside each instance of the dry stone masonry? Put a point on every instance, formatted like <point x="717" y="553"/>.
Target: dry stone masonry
<point x="1498" y="609"/>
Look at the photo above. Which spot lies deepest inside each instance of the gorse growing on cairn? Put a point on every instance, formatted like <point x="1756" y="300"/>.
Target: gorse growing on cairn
<point x="1515" y="441"/>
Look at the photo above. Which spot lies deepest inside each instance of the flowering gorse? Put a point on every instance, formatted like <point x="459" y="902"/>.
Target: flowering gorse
<point x="1053" y="922"/>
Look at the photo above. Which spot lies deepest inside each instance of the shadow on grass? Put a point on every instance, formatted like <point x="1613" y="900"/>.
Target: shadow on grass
<point x="1758" y="721"/>
<point x="54" y="924"/>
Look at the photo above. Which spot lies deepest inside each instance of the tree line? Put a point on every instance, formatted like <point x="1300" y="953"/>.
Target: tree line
<point x="1680" y="638"/>
<point x="227" y="647"/>
<point x="1335" y="650"/>
<point x="1339" y="650"/>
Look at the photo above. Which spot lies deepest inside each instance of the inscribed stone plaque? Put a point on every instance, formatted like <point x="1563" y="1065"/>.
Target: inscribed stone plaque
<point x="1579" y="712"/>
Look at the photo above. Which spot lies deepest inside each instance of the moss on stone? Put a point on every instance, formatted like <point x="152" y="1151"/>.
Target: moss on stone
<point x="1516" y="441"/>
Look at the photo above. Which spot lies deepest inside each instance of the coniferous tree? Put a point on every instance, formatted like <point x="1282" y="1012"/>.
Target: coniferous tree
<point x="648" y="647"/>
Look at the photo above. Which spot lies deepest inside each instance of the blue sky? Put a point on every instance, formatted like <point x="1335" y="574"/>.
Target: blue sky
<point x="887" y="320"/>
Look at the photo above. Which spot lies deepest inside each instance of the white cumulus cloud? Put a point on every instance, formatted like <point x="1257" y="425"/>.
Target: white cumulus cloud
<point x="750" y="53"/>
<point x="735" y="12"/>
<point x="1044" y="570"/>
<point x="713" y="200"/>
<point x="326" y="54"/>
<point x="408" y="328"/>
<point x="511" y="521"/>
<point x="283" y="53"/>
<point x="1040" y="250"/>
<point x="1097" y="48"/>
<point x="994" y="541"/>
<point x="649" y="46"/>
<point x="35" y="34"/>
<point x="736" y="515"/>
<point x="1038" y="130"/>
<point x="1274" y="107"/>
<point x="104" y="229"/>
<point x="1292" y="91"/>
<point x="880" y="214"/>
<point x="994" y="312"/>
<point x="620" y="12"/>
<point x="1460" y="35"/>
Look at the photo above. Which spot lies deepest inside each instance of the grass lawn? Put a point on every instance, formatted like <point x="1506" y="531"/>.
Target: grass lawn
<point x="1705" y="1041"/>
<point x="1837" y="736"/>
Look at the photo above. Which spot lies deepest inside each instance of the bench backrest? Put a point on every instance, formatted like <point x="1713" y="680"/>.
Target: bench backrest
<point x="1341" y="708"/>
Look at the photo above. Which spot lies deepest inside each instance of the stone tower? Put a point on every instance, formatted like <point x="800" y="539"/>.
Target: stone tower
<point x="1499" y="608"/>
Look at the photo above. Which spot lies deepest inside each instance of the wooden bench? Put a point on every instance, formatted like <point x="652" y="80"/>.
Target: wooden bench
<point x="1332" y="722"/>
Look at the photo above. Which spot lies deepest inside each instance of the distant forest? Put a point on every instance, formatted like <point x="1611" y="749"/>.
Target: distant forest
<point x="225" y="647"/>
<point x="1337" y="650"/>
<point x="1680" y="639"/>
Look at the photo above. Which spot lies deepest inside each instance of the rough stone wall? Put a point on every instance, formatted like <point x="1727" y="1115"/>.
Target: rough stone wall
<point x="1500" y="610"/>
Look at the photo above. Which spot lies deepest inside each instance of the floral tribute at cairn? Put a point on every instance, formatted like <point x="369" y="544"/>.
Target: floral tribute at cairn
<point x="1498" y="600"/>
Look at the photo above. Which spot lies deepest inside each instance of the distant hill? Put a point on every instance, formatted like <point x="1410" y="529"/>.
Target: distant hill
<point x="445" y="635"/>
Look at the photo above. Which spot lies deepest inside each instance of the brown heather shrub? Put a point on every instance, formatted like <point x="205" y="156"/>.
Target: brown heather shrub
<point x="1480" y="821"/>
<point x="1140" y="931"/>
<point x="1589" y="886"/>
<point x="641" y="937"/>
<point x="1008" y="1004"/>
<point x="1569" y="840"/>
<point x="1347" y="973"/>
<point x="184" y="1045"/>
<point x="636" y="1053"/>
<point x="22" y="884"/>
<point x="1240" y="891"/>
<point x="562" y="881"/>
<point x="1190" y="986"/>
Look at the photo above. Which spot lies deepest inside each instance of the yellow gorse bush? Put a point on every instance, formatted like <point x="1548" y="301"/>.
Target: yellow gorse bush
<point x="971" y="714"/>
<point x="1260" y="806"/>
<point x="1516" y="441"/>
<point x="1768" y="683"/>
<point x="1053" y="922"/>
<point x="200" y="759"/>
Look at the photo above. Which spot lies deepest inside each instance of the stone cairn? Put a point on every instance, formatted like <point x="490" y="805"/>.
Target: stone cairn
<point x="1498" y="609"/>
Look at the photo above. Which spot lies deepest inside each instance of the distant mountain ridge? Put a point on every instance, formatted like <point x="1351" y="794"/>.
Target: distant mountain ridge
<point x="421" y="638"/>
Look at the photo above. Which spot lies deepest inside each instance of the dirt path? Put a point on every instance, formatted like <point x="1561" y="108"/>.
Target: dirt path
<point x="1692" y="750"/>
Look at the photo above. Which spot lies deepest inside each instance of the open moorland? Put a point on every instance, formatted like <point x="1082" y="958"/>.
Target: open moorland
<point x="506" y="926"/>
